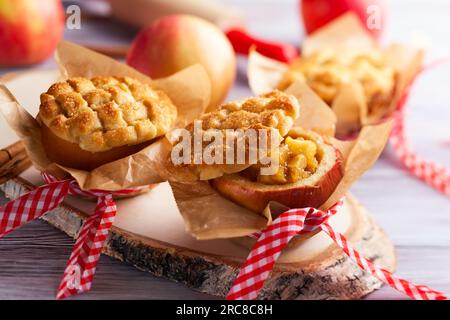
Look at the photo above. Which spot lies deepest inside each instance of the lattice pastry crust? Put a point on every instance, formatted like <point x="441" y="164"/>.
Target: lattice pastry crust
<point x="102" y="113"/>
<point x="274" y="112"/>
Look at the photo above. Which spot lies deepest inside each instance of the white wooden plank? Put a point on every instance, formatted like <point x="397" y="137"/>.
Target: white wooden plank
<point x="416" y="217"/>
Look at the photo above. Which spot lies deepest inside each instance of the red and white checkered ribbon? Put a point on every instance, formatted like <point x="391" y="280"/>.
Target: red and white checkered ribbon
<point x="433" y="174"/>
<point x="274" y="239"/>
<point x="85" y="254"/>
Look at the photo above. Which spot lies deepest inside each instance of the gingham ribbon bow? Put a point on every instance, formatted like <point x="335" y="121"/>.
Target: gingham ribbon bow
<point x="274" y="239"/>
<point x="85" y="255"/>
<point x="433" y="174"/>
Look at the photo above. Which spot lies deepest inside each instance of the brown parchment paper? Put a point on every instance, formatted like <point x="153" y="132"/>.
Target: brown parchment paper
<point x="208" y="215"/>
<point x="345" y="34"/>
<point x="189" y="89"/>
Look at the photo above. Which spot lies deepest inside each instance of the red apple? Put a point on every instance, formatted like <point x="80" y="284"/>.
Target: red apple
<point x="317" y="13"/>
<point x="310" y="192"/>
<point x="175" y="42"/>
<point x="30" y="30"/>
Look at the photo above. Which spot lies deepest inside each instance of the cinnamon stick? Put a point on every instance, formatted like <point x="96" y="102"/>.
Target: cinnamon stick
<point x="8" y="153"/>
<point x="9" y="164"/>
<point x="17" y="169"/>
<point x="13" y="161"/>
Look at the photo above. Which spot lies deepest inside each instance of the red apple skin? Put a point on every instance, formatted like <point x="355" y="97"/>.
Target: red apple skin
<point x="317" y="13"/>
<point x="288" y="195"/>
<point x="175" y="42"/>
<point x="30" y="30"/>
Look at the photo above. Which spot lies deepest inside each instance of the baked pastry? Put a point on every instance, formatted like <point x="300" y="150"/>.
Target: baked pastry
<point x="272" y="114"/>
<point x="326" y="72"/>
<point x="309" y="169"/>
<point x="89" y="122"/>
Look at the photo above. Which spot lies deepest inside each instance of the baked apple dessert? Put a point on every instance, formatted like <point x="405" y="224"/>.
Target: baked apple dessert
<point x="309" y="169"/>
<point x="86" y="123"/>
<point x="326" y="72"/>
<point x="272" y="114"/>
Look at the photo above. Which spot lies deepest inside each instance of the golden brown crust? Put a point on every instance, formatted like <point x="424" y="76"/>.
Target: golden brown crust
<point x="103" y="113"/>
<point x="271" y="110"/>
<point x="326" y="72"/>
<point x="274" y="112"/>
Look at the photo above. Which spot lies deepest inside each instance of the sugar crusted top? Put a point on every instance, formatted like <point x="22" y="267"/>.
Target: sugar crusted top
<point x="275" y="110"/>
<point x="102" y="113"/>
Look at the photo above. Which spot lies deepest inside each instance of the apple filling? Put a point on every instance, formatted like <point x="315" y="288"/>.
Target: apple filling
<point x="298" y="158"/>
<point x="308" y="171"/>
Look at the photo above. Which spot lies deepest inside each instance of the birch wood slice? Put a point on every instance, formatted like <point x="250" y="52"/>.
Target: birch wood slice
<point x="149" y="234"/>
<point x="314" y="270"/>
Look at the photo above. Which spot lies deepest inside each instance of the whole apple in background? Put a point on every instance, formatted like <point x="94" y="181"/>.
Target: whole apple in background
<point x="30" y="30"/>
<point x="175" y="42"/>
<point x="317" y="13"/>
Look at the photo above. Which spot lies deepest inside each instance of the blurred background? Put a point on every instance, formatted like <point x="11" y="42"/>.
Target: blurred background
<point x="415" y="216"/>
<point x="31" y="29"/>
<point x="110" y="26"/>
<point x="424" y="22"/>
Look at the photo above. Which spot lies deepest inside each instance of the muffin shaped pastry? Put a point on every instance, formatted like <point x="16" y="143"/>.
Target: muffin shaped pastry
<point x="270" y="116"/>
<point x="86" y="123"/>
<point x="327" y="72"/>
<point x="308" y="170"/>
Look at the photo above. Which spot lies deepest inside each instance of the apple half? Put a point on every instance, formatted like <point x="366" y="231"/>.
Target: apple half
<point x="312" y="191"/>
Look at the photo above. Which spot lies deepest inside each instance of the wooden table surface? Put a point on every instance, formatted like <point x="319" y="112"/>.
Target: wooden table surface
<point x="416" y="217"/>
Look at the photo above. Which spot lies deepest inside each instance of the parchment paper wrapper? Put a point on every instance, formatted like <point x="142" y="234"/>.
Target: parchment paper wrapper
<point x="188" y="89"/>
<point x="343" y="34"/>
<point x="208" y="215"/>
